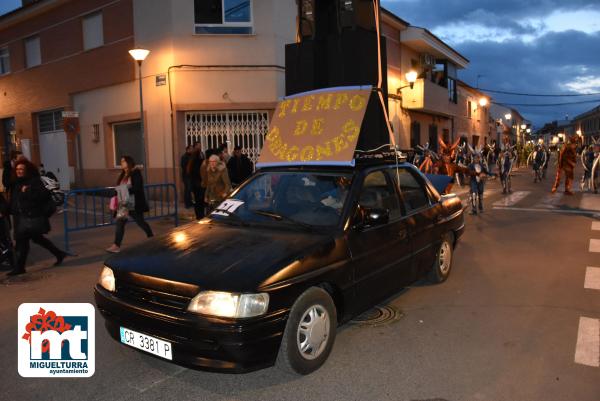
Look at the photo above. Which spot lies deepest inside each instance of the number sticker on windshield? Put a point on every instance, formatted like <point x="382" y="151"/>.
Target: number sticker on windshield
<point x="228" y="207"/>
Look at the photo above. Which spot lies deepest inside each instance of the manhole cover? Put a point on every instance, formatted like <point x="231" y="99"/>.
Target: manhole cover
<point x="378" y="316"/>
<point x="24" y="278"/>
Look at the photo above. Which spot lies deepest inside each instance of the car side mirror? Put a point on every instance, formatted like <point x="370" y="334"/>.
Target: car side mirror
<point x="375" y="217"/>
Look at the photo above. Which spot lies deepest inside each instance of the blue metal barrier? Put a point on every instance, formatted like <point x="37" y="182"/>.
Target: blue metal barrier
<point x="84" y="209"/>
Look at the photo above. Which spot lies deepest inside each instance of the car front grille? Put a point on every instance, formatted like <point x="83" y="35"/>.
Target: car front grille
<point x="152" y="297"/>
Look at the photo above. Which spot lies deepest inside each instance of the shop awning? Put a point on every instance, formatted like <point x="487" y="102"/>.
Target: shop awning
<point x="316" y="128"/>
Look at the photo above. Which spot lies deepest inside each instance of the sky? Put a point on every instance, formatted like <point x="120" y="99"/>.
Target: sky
<point x="524" y="46"/>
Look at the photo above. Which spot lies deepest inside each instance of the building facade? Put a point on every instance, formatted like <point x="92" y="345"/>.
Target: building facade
<point x="51" y="50"/>
<point x="587" y="125"/>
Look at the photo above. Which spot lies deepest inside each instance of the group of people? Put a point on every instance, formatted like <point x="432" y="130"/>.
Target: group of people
<point x="25" y="209"/>
<point x="209" y="177"/>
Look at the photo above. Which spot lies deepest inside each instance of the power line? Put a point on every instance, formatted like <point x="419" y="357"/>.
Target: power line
<point x="539" y="95"/>
<point x="547" y="104"/>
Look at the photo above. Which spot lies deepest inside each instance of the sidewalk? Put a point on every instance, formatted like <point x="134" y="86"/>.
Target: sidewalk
<point x="88" y="245"/>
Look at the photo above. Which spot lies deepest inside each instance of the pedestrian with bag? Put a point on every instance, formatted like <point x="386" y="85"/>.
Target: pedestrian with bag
<point x="31" y="205"/>
<point x="130" y="201"/>
<point x="218" y="185"/>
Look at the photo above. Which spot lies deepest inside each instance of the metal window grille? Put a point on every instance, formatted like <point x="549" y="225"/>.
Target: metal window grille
<point x="245" y="128"/>
<point x="50" y="121"/>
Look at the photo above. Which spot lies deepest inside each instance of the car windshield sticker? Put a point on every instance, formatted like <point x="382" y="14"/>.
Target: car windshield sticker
<point x="228" y="207"/>
<point x="308" y="182"/>
<point x="316" y="128"/>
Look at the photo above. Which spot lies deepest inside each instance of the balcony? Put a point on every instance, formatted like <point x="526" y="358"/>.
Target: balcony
<point x="428" y="97"/>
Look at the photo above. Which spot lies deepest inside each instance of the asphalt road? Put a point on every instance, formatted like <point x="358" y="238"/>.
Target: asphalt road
<point x="505" y="326"/>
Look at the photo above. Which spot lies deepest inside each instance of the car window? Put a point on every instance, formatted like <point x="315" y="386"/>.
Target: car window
<point x="412" y="191"/>
<point x="378" y="193"/>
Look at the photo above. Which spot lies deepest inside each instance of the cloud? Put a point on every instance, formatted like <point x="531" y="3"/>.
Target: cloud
<point x="537" y="46"/>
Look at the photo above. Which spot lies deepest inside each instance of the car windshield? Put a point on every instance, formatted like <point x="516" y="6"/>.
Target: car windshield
<point x="303" y="199"/>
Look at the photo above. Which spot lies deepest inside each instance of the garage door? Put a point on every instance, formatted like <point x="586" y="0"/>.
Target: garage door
<point x="53" y="146"/>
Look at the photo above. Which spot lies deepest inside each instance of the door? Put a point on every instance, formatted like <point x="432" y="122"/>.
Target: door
<point x="423" y="217"/>
<point x="53" y="146"/>
<point x="381" y="255"/>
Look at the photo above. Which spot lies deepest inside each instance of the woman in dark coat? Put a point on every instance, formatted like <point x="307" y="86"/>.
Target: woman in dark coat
<point x="132" y="178"/>
<point x="28" y="204"/>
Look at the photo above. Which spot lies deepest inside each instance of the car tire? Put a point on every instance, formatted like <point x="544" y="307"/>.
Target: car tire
<point x="440" y="270"/>
<point x="313" y="312"/>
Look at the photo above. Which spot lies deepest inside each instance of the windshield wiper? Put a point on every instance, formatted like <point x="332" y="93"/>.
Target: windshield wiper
<point x="280" y="217"/>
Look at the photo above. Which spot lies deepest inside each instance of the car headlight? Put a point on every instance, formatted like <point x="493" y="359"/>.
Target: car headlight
<point x="107" y="279"/>
<point x="226" y="304"/>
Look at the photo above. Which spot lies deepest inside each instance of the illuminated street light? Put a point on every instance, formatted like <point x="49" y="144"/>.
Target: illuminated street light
<point x="483" y="102"/>
<point x="529" y="130"/>
<point x="411" y="78"/>
<point x="508" y="116"/>
<point x="523" y="126"/>
<point x="140" y="55"/>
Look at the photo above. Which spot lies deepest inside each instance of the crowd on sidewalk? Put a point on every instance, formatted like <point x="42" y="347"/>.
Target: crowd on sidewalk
<point x="208" y="177"/>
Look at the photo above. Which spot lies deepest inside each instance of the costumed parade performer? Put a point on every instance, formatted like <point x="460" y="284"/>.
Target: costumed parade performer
<point x="478" y="172"/>
<point x="538" y="158"/>
<point x="567" y="159"/>
<point x="505" y="164"/>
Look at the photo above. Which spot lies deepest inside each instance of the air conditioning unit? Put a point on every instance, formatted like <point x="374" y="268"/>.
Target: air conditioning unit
<point x="427" y="60"/>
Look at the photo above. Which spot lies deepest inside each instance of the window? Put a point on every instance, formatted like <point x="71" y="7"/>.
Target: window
<point x="415" y="134"/>
<point x="128" y="141"/>
<point x="378" y="193"/>
<point x="433" y="137"/>
<point x="223" y="16"/>
<point x="469" y="109"/>
<point x="93" y="33"/>
<point x="33" y="55"/>
<point x="413" y="193"/>
<point x="50" y="121"/>
<point x="452" y="95"/>
<point x="4" y="61"/>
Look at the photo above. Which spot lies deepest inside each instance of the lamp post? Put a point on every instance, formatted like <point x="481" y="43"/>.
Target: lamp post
<point x="411" y="77"/>
<point x="140" y="55"/>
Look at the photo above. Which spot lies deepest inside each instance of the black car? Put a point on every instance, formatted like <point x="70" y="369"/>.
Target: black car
<point x="271" y="273"/>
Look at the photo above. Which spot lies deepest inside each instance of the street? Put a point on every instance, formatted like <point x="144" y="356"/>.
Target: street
<point x="516" y="320"/>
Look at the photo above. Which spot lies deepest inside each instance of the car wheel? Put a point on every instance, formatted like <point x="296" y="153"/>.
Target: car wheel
<point x="443" y="260"/>
<point x="309" y="333"/>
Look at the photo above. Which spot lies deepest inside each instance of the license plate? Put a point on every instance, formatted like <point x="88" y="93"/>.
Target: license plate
<point x="146" y="343"/>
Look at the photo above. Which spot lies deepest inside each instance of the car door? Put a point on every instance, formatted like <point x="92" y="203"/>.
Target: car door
<point x="423" y="214"/>
<point x="381" y="255"/>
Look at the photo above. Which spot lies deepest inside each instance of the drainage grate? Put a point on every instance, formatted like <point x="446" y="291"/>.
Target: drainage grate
<point x="378" y="316"/>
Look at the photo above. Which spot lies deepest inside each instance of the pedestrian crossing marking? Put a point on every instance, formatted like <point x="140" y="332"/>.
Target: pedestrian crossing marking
<point x="590" y="202"/>
<point x="587" y="351"/>
<point x="551" y="201"/>
<point x="595" y="245"/>
<point x="512" y="199"/>
<point x="596" y="225"/>
<point x="592" y="278"/>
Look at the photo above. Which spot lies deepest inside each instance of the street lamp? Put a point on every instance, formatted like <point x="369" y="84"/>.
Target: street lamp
<point x="411" y="77"/>
<point x="483" y="102"/>
<point x="140" y="55"/>
<point x="508" y="116"/>
<point x="523" y="126"/>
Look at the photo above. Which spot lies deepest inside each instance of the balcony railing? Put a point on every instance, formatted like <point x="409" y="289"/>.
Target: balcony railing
<point x="428" y="97"/>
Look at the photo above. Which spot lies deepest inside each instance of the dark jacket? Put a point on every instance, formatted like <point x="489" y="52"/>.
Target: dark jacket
<point x="239" y="168"/>
<point x="185" y="159"/>
<point x="7" y="175"/>
<point x="194" y="168"/>
<point x="30" y="203"/>
<point x="137" y="190"/>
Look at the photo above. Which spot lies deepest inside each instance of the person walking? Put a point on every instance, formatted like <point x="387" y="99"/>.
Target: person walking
<point x="194" y="171"/>
<point x="186" y="178"/>
<point x="218" y="185"/>
<point x="239" y="167"/>
<point x="7" y="252"/>
<point x="131" y="202"/>
<point x="31" y="205"/>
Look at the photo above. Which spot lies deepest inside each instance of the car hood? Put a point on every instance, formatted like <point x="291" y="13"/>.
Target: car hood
<point x="217" y="256"/>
